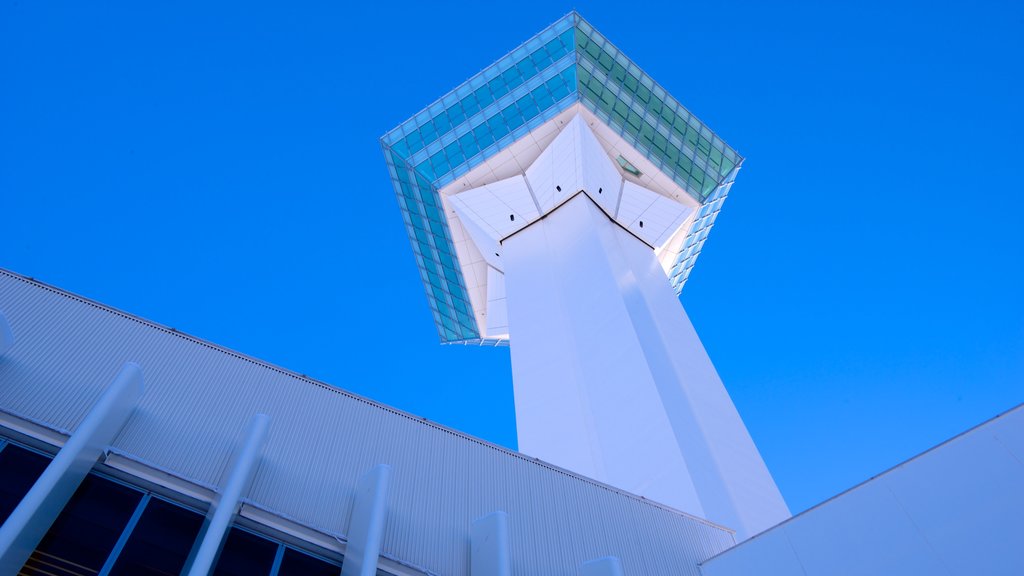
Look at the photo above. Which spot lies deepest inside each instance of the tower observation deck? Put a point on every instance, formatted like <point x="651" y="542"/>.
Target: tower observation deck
<point x="556" y="203"/>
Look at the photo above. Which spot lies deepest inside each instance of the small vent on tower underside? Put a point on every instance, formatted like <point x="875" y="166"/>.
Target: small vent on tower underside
<point x="628" y="166"/>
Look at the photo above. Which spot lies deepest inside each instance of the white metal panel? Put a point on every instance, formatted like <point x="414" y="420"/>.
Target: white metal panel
<point x="651" y="176"/>
<point x="976" y="483"/>
<point x="499" y="209"/>
<point x="557" y="173"/>
<point x="6" y="336"/>
<point x="497" y="305"/>
<point x="635" y="201"/>
<point x="607" y="566"/>
<point x="593" y="147"/>
<point x="768" y="554"/>
<point x="569" y="425"/>
<point x="954" y="509"/>
<point x="735" y="486"/>
<point x="470" y="258"/>
<point x="1009" y="431"/>
<point x="323" y="439"/>
<point x="649" y="215"/>
<point x="601" y="179"/>
<point x="879" y="523"/>
<point x="485" y="240"/>
<point x="586" y="398"/>
<point x="600" y="391"/>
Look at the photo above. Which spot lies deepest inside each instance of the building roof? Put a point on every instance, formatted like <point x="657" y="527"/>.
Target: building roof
<point x="566" y="64"/>
<point x="199" y="396"/>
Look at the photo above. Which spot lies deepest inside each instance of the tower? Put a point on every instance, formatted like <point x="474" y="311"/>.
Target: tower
<point x="556" y="202"/>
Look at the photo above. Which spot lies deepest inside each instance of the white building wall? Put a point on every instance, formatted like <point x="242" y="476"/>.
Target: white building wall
<point x="322" y="440"/>
<point x="956" y="509"/>
<point x="611" y="380"/>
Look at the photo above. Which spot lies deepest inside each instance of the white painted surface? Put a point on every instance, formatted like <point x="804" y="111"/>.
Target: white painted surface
<point x="323" y="440"/>
<point x="607" y="566"/>
<point x="489" y="555"/>
<point x="366" y="529"/>
<point x="557" y="174"/>
<point x="601" y="178"/>
<point x="228" y="499"/>
<point x="956" y="509"/>
<point x="611" y="380"/>
<point x="650" y="216"/>
<point x="499" y="209"/>
<point x="29" y="521"/>
<point x="573" y="161"/>
<point x="497" y="307"/>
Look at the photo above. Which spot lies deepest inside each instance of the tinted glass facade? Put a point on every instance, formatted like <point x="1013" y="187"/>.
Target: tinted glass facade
<point x="567" y="63"/>
<point x="108" y="527"/>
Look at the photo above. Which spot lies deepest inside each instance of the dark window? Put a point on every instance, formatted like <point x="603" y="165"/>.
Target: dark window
<point x="296" y="563"/>
<point x="19" y="469"/>
<point x="161" y="541"/>
<point x="245" y="553"/>
<point x="82" y="537"/>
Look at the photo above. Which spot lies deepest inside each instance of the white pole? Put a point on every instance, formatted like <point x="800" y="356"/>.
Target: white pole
<point x="489" y="555"/>
<point x="366" y="528"/>
<point x="29" y="522"/>
<point x="225" y="505"/>
<point x="607" y="566"/>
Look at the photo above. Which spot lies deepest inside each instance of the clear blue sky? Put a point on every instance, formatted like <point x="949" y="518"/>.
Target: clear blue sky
<point x="214" y="166"/>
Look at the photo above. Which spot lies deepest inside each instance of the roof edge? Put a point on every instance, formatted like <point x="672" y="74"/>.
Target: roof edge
<point x="302" y="377"/>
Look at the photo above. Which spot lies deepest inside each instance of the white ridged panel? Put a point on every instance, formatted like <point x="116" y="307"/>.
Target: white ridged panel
<point x="321" y="441"/>
<point x="483" y="240"/>
<point x="557" y="173"/>
<point x="601" y="179"/>
<point x="635" y="200"/>
<point x="470" y="259"/>
<point x="649" y="215"/>
<point x="955" y="509"/>
<point x="499" y="209"/>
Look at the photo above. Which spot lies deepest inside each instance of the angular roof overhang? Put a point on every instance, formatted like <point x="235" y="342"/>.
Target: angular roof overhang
<point x="567" y="65"/>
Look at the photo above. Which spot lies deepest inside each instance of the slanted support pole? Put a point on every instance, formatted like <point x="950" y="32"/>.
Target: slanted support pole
<point x="488" y="542"/>
<point x="366" y="528"/>
<point x="225" y="504"/>
<point x="607" y="566"/>
<point x="33" y="516"/>
<point x="6" y="335"/>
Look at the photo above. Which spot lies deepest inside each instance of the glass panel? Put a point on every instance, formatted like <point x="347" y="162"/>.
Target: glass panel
<point x="84" y="534"/>
<point x="501" y="103"/>
<point x="245" y="553"/>
<point x="19" y="469"/>
<point x="296" y="563"/>
<point x="161" y="541"/>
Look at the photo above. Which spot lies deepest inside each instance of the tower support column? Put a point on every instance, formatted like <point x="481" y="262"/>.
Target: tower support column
<point x="611" y="380"/>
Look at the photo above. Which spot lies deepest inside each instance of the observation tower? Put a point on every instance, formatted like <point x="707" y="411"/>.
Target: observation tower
<point x="556" y="203"/>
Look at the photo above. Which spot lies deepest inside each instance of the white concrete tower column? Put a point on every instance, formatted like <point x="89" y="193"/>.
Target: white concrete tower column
<point x="610" y="378"/>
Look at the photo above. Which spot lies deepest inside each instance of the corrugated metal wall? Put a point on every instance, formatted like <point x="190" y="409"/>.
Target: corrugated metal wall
<point x="956" y="509"/>
<point x="199" y="397"/>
